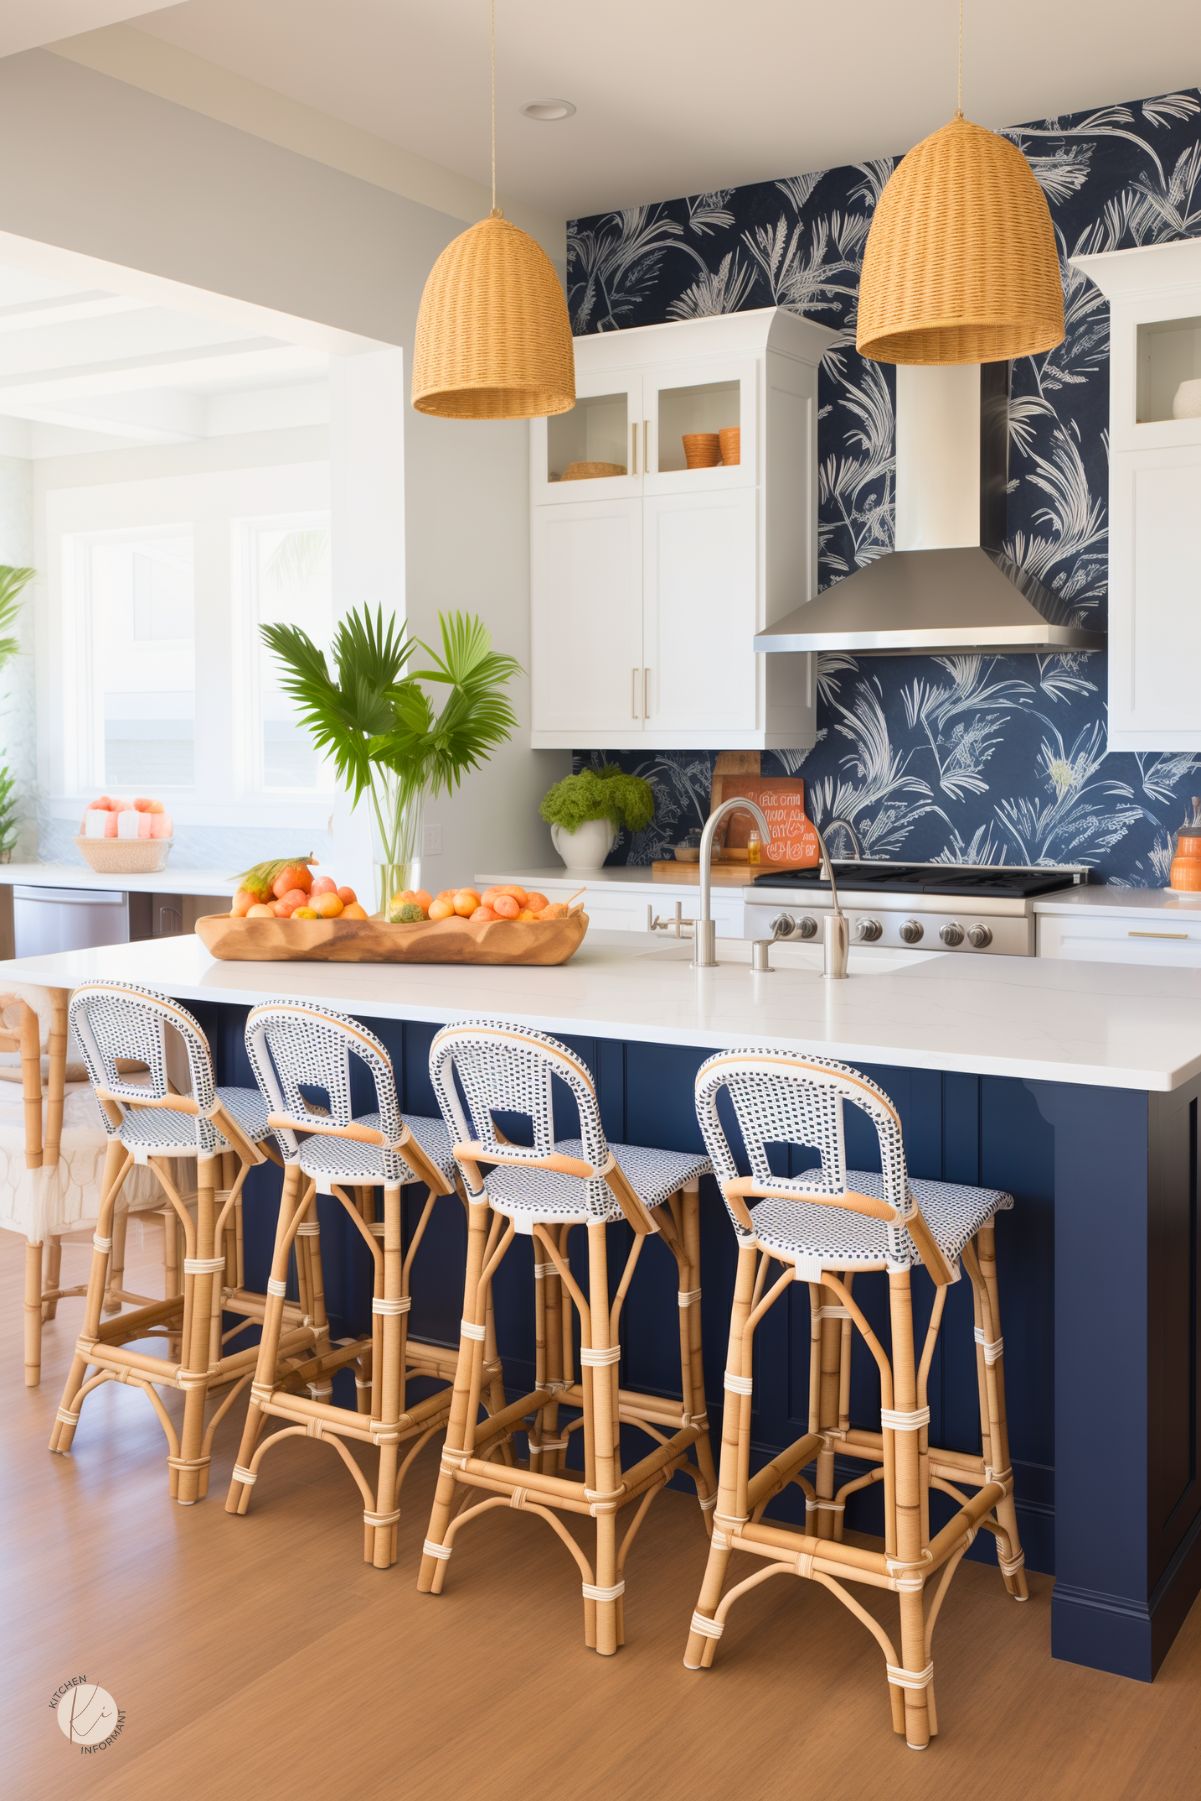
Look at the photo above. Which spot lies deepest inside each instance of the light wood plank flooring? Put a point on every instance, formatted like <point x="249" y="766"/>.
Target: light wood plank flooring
<point x="260" y="1658"/>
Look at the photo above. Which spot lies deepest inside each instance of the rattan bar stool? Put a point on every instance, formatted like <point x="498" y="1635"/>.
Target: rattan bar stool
<point x="821" y="1228"/>
<point x="217" y="1131"/>
<point x="302" y="1058"/>
<point x="543" y="1191"/>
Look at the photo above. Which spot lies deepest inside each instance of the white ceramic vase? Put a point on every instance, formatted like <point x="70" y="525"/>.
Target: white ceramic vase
<point x="1186" y="402"/>
<point x="586" y="848"/>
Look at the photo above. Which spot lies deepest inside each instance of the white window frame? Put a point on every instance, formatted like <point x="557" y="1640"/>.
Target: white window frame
<point x="217" y="507"/>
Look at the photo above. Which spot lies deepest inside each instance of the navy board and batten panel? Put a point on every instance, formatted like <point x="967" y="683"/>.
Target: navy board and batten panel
<point x="957" y="758"/>
<point x="1100" y="1265"/>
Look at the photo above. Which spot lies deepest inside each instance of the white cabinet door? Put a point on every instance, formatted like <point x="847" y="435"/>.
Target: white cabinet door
<point x="1155" y="599"/>
<point x="700" y="562"/>
<point x="701" y="396"/>
<point x="586" y="637"/>
<point x="596" y="451"/>
<point x="1159" y="941"/>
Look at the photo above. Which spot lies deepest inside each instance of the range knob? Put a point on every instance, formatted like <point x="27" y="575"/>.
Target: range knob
<point x="783" y="925"/>
<point x="952" y="933"/>
<point x="867" y="930"/>
<point x="912" y="931"/>
<point x="979" y="937"/>
<point x="807" y="927"/>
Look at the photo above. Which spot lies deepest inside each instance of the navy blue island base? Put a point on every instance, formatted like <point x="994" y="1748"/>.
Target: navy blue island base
<point x="1099" y="1265"/>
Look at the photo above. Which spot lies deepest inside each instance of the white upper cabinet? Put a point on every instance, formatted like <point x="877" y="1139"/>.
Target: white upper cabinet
<point x="650" y="579"/>
<point x="1154" y="493"/>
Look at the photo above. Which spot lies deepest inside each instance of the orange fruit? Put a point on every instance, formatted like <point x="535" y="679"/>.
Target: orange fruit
<point x="352" y="909"/>
<point x="535" y="901"/>
<point x="295" y="897"/>
<point x="324" y="884"/>
<point x="482" y="915"/>
<point x="296" y="875"/>
<point x="442" y="908"/>
<point x="518" y="893"/>
<point x="327" y="905"/>
<point x="525" y="916"/>
<point x="283" y="909"/>
<point x="347" y="896"/>
<point x="505" y="907"/>
<point x="305" y="913"/>
<point x="260" y="910"/>
<point x="465" y="902"/>
<point x="243" y="900"/>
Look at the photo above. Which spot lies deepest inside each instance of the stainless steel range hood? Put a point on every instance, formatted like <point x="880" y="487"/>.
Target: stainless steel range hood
<point x="946" y="587"/>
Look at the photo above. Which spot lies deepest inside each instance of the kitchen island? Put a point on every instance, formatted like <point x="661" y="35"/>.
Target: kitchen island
<point x="1074" y="1086"/>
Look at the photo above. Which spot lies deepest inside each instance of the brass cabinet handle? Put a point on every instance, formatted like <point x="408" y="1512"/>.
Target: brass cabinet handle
<point x="646" y="446"/>
<point x="633" y="446"/>
<point x="646" y="693"/>
<point x="1178" y="935"/>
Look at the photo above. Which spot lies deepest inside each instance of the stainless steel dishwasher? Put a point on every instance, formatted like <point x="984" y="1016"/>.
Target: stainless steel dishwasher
<point x="67" y="919"/>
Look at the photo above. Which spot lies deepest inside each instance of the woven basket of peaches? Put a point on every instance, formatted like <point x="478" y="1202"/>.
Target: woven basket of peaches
<point x="285" y="913"/>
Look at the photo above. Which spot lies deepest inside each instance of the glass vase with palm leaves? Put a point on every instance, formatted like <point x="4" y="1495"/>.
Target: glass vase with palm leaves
<point x="370" y="713"/>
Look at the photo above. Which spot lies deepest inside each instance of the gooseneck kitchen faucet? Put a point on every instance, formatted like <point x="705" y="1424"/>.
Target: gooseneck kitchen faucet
<point x="704" y="939"/>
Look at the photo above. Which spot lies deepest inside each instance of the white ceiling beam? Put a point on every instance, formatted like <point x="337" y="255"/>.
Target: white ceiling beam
<point x="164" y="416"/>
<point x="64" y="309"/>
<point x="254" y="362"/>
<point x="125" y="335"/>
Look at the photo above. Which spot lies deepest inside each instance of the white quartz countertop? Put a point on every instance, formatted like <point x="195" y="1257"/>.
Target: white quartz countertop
<point x="1108" y="1025"/>
<point x="1119" y="903"/>
<point x="630" y="877"/>
<point x="78" y="875"/>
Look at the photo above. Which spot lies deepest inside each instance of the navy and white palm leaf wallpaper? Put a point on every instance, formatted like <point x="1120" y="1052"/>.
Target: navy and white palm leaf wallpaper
<point x="957" y="758"/>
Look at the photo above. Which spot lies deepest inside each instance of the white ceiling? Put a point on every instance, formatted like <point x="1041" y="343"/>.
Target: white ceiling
<point x="683" y="96"/>
<point x="85" y="368"/>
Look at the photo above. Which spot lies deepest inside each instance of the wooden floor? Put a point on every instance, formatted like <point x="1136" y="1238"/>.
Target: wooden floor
<point x="259" y="1658"/>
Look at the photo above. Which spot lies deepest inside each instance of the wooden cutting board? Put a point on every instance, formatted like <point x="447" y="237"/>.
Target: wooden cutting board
<point x="688" y="875"/>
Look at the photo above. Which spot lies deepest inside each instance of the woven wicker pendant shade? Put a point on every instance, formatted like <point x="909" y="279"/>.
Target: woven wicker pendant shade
<point x="960" y="264"/>
<point x="493" y="336"/>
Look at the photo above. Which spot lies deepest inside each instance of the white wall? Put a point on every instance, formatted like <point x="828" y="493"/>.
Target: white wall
<point x="18" y="724"/>
<point x="93" y="165"/>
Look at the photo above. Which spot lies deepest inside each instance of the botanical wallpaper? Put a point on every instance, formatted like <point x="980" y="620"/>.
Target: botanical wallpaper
<point x="958" y="758"/>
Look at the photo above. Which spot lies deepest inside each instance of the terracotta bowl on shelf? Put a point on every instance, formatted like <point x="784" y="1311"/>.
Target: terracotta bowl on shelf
<point x="702" y="449"/>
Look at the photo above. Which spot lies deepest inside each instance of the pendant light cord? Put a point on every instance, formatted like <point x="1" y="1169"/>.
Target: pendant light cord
<point x="958" y="88"/>
<point x="496" y="211"/>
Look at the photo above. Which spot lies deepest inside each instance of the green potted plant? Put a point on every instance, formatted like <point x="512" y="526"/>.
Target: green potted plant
<point x="586" y="811"/>
<point x="371" y="714"/>
<point x="12" y="581"/>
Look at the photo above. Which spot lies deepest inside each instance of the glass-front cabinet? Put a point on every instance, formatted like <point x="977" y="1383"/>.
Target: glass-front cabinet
<point x="673" y="517"/>
<point x="1154" y="296"/>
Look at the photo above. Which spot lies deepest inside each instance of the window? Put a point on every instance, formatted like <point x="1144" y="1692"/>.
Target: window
<point x="162" y="683"/>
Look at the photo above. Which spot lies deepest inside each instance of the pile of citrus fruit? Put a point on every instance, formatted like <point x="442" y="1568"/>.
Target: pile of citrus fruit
<point x="289" y="890"/>
<point x="507" y="901"/>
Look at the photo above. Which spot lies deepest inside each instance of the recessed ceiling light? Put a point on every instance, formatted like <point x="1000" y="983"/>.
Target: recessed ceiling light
<point x="546" y="111"/>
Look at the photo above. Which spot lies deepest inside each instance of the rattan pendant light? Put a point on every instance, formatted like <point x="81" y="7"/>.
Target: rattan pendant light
<point x="960" y="264"/>
<point x="493" y="338"/>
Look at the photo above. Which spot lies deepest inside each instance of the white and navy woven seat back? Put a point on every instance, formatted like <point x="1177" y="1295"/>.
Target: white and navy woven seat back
<point x="116" y="1022"/>
<point x="485" y="1067"/>
<point x="302" y="1060"/>
<point x="777" y="1099"/>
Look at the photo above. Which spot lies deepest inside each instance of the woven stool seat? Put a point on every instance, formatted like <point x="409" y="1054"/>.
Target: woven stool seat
<point x="342" y="1160"/>
<point x="831" y="1238"/>
<point x="166" y="1134"/>
<point x="525" y="1195"/>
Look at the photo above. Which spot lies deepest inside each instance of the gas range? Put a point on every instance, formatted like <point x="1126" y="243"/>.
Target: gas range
<point x="958" y="907"/>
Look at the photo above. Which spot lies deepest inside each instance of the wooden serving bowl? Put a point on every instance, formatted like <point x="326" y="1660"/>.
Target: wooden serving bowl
<point x="536" y="943"/>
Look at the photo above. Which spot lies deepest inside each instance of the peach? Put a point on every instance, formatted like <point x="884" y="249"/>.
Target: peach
<point x="525" y="916"/>
<point x="517" y="891"/>
<point x="243" y="900"/>
<point x="347" y="896"/>
<point x="535" y="901"/>
<point x="483" y="915"/>
<point x="441" y="908"/>
<point x="352" y="909"/>
<point x="505" y="906"/>
<point x="324" y="884"/>
<point x="295" y="876"/>
<point x="466" y="901"/>
<point x="282" y="909"/>
<point x="259" y="911"/>
<point x="326" y="905"/>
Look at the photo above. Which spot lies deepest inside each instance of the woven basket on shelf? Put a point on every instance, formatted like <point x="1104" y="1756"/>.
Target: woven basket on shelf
<point x="493" y="339"/>
<point x="125" y="856"/>
<point x="960" y="264"/>
<point x="730" y="437"/>
<point x="701" y="449"/>
<point x="578" y="472"/>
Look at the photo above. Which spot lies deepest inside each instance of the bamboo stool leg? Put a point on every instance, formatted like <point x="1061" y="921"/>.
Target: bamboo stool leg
<point x="914" y="1679"/>
<point x="242" y="1481"/>
<point x="54" y="1275"/>
<point x="603" y="1427"/>
<point x="830" y="1348"/>
<point x="379" y="1524"/>
<point x="494" y="1370"/>
<point x="692" y="1372"/>
<point x="116" y="1163"/>
<point x="33" y="1314"/>
<point x="735" y="1466"/>
<point x="116" y="1266"/>
<point x="992" y="1359"/>
<point x="459" y="1426"/>
<point x="202" y="1290"/>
